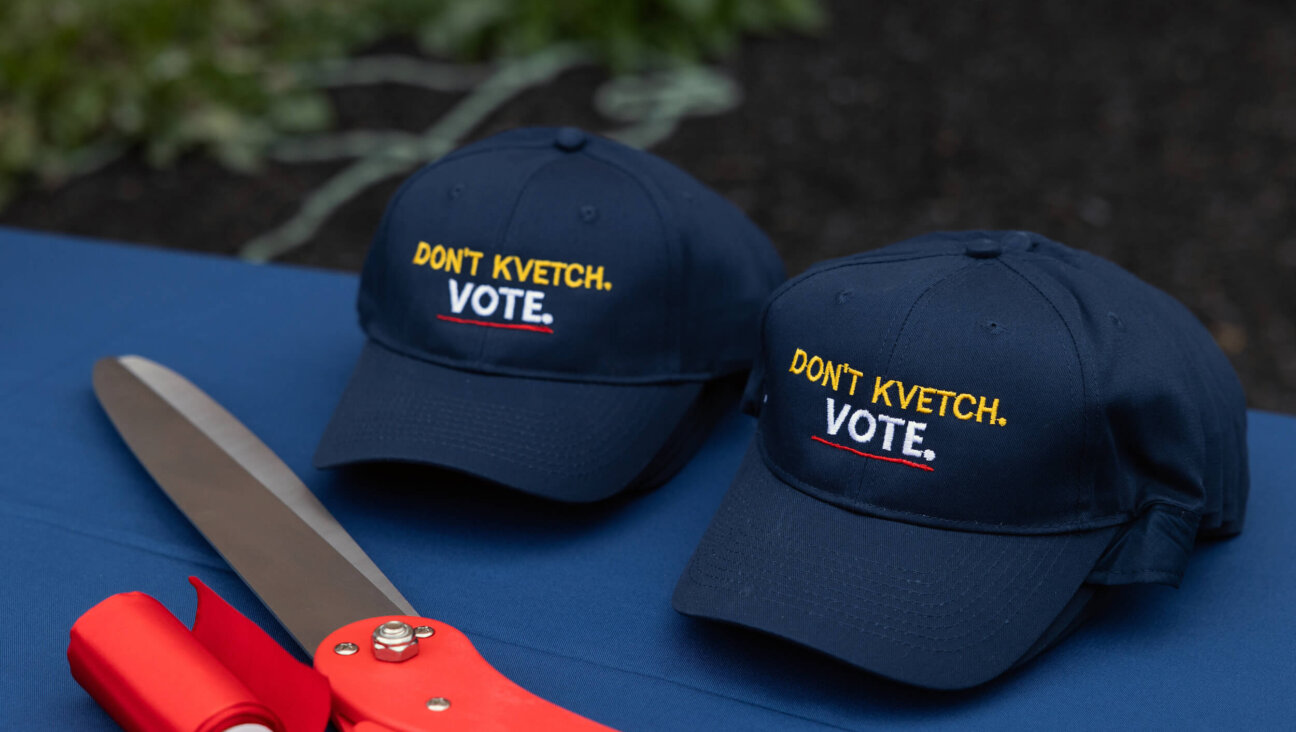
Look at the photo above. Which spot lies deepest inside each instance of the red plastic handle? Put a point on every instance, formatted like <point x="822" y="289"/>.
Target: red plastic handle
<point x="152" y="674"/>
<point x="149" y="672"/>
<point x="447" y="686"/>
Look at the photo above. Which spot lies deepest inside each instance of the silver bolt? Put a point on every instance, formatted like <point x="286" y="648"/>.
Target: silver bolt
<point x="394" y="630"/>
<point x="345" y="648"/>
<point x="394" y="641"/>
<point x="424" y="631"/>
<point x="438" y="704"/>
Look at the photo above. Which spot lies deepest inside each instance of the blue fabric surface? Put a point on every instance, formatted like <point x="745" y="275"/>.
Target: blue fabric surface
<point x="572" y="602"/>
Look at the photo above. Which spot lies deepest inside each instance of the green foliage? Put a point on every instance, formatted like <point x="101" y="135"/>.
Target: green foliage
<point x="626" y="34"/>
<point x="81" y="79"/>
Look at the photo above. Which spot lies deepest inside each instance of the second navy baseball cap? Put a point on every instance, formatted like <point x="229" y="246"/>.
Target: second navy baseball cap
<point x="962" y="439"/>
<point x="555" y="312"/>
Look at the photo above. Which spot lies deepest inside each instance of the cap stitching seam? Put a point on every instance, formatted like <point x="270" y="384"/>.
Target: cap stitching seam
<point x="926" y="293"/>
<point x="870" y="509"/>
<point x="453" y="156"/>
<point x="915" y="608"/>
<point x="656" y="380"/>
<point x="867" y="470"/>
<point x="843" y="617"/>
<point x="404" y="190"/>
<point x="830" y="552"/>
<point x="1086" y="448"/>
<point x="673" y="277"/>
<point x="886" y="569"/>
<point x="808" y="275"/>
<point x="506" y="225"/>
<point x="619" y="433"/>
<point x="919" y="575"/>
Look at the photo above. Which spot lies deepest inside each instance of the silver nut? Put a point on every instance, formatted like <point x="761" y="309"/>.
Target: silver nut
<point x="394" y="641"/>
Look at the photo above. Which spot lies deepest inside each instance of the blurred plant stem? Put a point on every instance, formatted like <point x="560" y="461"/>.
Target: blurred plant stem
<point x="83" y="80"/>
<point x="651" y="105"/>
<point x="384" y="161"/>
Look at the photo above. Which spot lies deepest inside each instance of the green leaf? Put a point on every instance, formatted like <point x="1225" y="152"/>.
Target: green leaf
<point x="221" y="75"/>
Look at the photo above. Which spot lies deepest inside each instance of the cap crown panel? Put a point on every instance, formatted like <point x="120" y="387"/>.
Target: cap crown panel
<point x="556" y="258"/>
<point x="727" y="269"/>
<point x="462" y="202"/>
<point x="1147" y="389"/>
<point x="986" y="333"/>
<point x="617" y="320"/>
<point x="966" y="399"/>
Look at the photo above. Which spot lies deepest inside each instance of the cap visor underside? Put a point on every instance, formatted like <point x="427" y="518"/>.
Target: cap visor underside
<point x="567" y="440"/>
<point x="931" y="607"/>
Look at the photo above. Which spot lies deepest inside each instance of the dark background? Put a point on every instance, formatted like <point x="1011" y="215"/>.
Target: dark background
<point x="1159" y="135"/>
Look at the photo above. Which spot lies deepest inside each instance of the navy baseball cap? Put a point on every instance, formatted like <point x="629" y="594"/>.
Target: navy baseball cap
<point x="555" y="312"/>
<point x="963" y="439"/>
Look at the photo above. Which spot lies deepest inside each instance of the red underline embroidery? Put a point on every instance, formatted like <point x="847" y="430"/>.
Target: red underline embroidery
<point x="911" y="464"/>
<point x="488" y="324"/>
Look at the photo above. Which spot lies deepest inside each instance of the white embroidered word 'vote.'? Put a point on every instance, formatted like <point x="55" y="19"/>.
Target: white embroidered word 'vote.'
<point x="862" y="426"/>
<point x="486" y="300"/>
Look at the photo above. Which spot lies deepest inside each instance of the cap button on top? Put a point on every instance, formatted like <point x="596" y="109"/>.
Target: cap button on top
<point x="569" y="139"/>
<point x="984" y="249"/>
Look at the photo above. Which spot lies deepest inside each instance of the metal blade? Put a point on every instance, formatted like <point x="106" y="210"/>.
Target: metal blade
<point x="261" y="518"/>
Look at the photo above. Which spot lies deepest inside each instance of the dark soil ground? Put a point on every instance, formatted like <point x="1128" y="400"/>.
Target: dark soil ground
<point x="1161" y="135"/>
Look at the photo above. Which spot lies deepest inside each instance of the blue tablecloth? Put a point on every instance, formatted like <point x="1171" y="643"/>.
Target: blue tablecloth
<point x="571" y="602"/>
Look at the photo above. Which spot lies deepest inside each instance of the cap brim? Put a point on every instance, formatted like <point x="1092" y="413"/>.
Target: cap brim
<point x="937" y="608"/>
<point x="571" y="441"/>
